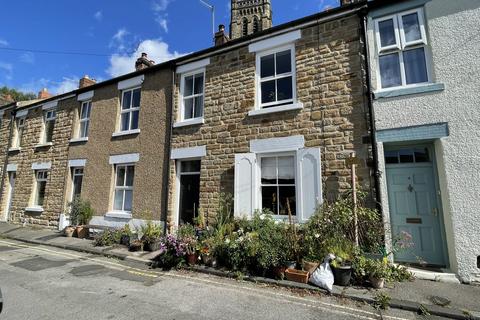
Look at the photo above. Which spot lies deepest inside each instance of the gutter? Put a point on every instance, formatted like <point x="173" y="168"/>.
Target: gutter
<point x="9" y="144"/>
<point x="373" y="130"/>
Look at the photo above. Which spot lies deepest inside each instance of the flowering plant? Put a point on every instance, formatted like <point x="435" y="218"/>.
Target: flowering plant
<point x="172" y="251"/>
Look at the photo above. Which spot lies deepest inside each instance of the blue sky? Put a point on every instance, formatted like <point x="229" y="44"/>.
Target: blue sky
<point x="115" y="31"/>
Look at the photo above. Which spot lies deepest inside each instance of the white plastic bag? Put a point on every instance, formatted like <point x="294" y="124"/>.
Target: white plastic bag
<point x="323" y="275"/>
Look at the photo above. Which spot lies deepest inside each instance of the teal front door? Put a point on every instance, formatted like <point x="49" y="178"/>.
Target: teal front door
<point x="415" y="205"/>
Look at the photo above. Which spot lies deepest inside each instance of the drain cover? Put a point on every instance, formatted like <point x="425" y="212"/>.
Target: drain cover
<point x="440" y="301"/>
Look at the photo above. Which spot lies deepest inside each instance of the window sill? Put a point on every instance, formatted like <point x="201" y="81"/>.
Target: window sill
<point x="77" y="140"/>
<point x="189" y="122"/>
<point x="118" y="214"/>
<point x="288" y="107"/>
<point x="14" y="149"/>
<point x="44" y="145"/>
<point x="34" y="209"/>
<point x="126" y="133"/>
<point x="404" y="91"/>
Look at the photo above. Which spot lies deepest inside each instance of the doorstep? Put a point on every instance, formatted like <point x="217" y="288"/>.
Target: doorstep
<point x="439" y="276"/>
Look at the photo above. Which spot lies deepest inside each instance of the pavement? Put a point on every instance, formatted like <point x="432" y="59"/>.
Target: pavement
<point x="419" y="296"/>
<point x="43" y="282"/>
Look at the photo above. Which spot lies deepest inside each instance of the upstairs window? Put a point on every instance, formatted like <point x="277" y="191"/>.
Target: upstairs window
<point x="20" y="127"/>
<point x="130" y="109"/>
<point x="84" y="119"/>
<point x="276" y="77"/>
<point x="192" y="91"/>
<point x="49" y="122"/>
<point x="402" y="49"/>
<point x="123" y="195"/>
<point x="41" y="185"/>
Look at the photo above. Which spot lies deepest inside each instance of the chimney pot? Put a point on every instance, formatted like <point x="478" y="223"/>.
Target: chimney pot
<point x="44" y="94"/>
<point x="220" y="36"/>
<point x="143" y="62"/>
<point x="85" y="82"/>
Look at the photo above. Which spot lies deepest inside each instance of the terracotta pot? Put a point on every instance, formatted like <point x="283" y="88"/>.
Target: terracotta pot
<point x="82" y="232"/>
<point x="68" y="231"/>
<point x="192" y="259"/>
<point x="297" y="275"/>
<point x="279" y="272"/>
<point x="310" y="266"/>
<point x="377" y="283"/>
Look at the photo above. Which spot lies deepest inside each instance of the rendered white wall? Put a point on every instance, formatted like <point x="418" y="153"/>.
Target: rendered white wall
<point x="454" y="37"/>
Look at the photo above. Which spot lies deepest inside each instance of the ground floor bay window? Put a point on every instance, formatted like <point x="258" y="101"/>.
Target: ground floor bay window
<point x="287" y="182"/>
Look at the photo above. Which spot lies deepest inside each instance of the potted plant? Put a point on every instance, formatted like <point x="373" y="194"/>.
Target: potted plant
<point x="81" y="213"/>
<point x="378" y="271"/>
<point x="125" y="235"/>
<point x="341" y="264"/>
<point x="68" y="231"/>
<point x="187" y="235"/>
<point x="151" y="236"/>
<point x="207" y="249"/>
<point x="135" y="245"/>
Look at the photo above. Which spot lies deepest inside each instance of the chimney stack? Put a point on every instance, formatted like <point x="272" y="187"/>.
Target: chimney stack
<point x="44" y="94"/>
<point x="143" y="62"/>
<point x="220" y="36"/>
<point x="85" y="82"/>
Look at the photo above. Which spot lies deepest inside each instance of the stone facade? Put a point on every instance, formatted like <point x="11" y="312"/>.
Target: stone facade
<point x="257" y="14"/>
<point x="29" y="153"/>
<point x="151" y="143"/>
<point x="329" y="72"/>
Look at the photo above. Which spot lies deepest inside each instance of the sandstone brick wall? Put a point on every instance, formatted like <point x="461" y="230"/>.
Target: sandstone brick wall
<point x="329" y="65"/>
<point x="151" y="181"/>
<point x="25" y="179"/>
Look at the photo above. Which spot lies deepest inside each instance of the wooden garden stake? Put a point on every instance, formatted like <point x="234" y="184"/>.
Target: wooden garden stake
<point x="353" y="161"/>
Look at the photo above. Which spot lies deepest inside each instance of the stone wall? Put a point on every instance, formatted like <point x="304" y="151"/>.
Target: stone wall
<point x="25" y="177"/>
<point x="329" y="66"/>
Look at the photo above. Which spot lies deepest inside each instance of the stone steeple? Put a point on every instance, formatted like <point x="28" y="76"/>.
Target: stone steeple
<point x="250" y="16"/>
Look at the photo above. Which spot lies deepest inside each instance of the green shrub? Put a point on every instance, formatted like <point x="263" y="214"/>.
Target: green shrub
<point x="151" y="232"/>
<point x="81" y="211"/>
<point x="107" y="238"/>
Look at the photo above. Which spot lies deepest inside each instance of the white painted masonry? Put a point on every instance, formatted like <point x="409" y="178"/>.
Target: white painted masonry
<point x="452" y="31"/>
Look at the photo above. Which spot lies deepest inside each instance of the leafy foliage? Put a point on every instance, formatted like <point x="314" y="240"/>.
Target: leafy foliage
<point x="17" y="95"/>
<point x="107" y="238"/>
<point x="81" y="212"/>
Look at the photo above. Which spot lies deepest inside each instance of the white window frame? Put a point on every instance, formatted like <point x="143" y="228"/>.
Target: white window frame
<point x="19" y="130"/>
<point x="37" y="189"/>
<point x="259" y="80"/>
<point x="85" y="104"/>
<point x="130" y="110"/>
<point x="401" y="46"/>
<point x="74" y="174"/>
<point x="260" y="156"/>
<point x="122" y="188"/>
<point x="183" y="97"/>
<point x="49" y="116"/>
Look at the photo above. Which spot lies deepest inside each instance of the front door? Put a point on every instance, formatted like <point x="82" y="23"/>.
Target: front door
<point x="189" y="177"/>
<point x="414" y="204"/>
<point x="11" y="189"/>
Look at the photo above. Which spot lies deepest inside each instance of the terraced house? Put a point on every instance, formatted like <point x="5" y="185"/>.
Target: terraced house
<point x="425" y="84"/>
<point x="270" y="115"/>
<point x="104" y="142"/>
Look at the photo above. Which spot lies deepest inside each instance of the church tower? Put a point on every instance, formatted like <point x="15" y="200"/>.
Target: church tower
<point x="250" y="16"/>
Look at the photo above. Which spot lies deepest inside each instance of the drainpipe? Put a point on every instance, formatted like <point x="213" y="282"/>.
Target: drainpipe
<point x="169" y="146"/>
<point x="366" y="52"/>
<point x="9" y="145"/>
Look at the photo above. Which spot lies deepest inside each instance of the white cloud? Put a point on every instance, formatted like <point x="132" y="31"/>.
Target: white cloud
<point x="27" y="57"/>
<point x="3" y="42"/>
<point x="67" y="84"/>
<point x="162" y="21"/>
<point x="98" y="15"/>
<point x="157" y="50"/>
<point x="8" y="70"/>
<point x="118" y="41"/>
<point x="159" y="7"/>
